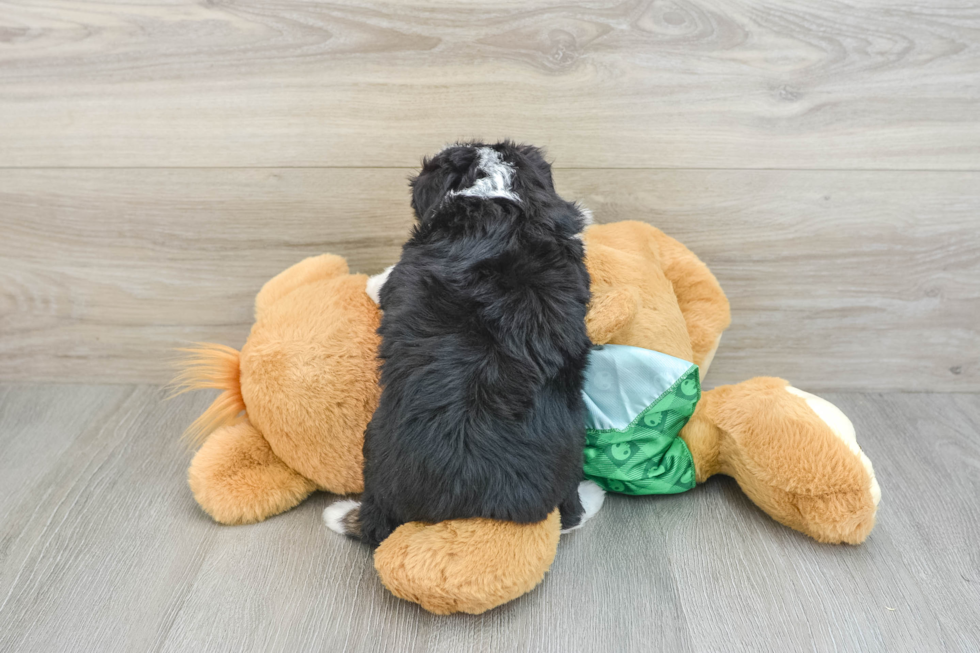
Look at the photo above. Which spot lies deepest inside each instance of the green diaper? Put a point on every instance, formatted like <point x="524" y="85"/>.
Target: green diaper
<point x="637" y="402"/>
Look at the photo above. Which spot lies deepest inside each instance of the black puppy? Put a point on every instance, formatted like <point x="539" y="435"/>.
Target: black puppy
<point x="483" y="351"/>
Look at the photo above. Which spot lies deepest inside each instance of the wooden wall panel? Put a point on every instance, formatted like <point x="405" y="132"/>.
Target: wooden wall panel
<point x="705" y="83"/>
<point x="838" y="279"/>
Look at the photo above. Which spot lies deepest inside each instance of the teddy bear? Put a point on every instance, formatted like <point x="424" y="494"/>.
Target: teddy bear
<point x="295" y="401"/>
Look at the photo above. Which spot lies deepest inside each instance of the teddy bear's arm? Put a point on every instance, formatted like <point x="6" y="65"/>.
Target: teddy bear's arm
<point x="610" y="311"/>
<point x="699" y="295"/>
<point x="314" y="268"/>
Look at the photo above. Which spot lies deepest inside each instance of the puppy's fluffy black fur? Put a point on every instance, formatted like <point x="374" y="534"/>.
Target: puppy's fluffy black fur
<point x="483" y="350"/>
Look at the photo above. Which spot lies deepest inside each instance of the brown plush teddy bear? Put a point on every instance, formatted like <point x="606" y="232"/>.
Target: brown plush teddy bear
<point x="298" y="396"/>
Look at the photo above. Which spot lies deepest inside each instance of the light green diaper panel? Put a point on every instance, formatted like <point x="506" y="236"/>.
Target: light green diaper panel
<point x="637" y="402"/>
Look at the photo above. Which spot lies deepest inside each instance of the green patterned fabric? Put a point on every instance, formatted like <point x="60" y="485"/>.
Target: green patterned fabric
<point x="638" y="401"/>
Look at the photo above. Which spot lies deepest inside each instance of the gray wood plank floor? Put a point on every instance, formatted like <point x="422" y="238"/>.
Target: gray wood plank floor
<point x="102" y="548"/>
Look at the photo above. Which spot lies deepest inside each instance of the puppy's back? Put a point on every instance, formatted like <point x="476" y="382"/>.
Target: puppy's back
<point x="483" y="351"/>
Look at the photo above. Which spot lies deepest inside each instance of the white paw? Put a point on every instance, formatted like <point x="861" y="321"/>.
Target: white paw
<point x="592" y="496"/>
<point x="375" y="283"/>
<point x="842" y="428"/>
<point x="587" y="219"/>
<point x="333" y="515"/>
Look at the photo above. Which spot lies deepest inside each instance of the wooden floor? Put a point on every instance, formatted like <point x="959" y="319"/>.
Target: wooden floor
<point x="104" y="549"/>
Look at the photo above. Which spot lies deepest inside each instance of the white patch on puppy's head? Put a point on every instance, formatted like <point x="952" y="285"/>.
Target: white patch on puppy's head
<point x="499" y="176"/>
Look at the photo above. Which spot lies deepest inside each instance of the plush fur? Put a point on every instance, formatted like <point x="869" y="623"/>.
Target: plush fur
<point x="211" y="366"/>
<point x="812" y="482"/>
<point x="784" y="455"/>
<point x="237" y="479"/>
<point x="315" y="332"/>
<point x="483" y="350"/>
<point x="467" y="565"/>
<point x="327" y="368"/>
<point x="634" y="302"/>
<point x="314" y="341"/>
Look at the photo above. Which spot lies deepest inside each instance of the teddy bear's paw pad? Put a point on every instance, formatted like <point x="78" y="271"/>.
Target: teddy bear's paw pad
<point x="337" y="516"/>
<point x="592" y="497"/>
<point x="842" y="427"/>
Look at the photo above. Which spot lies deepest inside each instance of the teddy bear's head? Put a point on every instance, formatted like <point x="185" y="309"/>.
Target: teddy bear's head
<point x="633" y="302"/>
<point x="309" y="376"/>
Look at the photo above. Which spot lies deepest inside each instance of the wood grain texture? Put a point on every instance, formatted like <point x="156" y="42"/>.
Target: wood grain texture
<point x="104" y="549"/>
<point x="159" y="161"/>
<point x="700" y="83"/>
<point x="838" y="279"/>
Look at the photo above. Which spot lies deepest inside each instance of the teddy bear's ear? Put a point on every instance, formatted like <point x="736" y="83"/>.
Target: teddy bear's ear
<point x="611" y="311"/>
<point x="309" y="270"/>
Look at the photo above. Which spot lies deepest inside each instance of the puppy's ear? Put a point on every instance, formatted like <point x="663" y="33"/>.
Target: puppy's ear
<point x="569" y="218"/>
<point x="537" y="165"/>
<point x="429" y="187"/>
<point x="449" y="170"/>
<point x="611" y="311"/>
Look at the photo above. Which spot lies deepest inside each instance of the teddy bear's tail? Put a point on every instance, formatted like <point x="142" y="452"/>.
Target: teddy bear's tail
<point x="208" y="365"/>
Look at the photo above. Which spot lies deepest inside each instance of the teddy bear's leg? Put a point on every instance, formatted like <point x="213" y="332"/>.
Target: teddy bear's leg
<point x="466" y="565"/>
<point x="699" y="295"/>
<point x="793" y="454"/>
<point x="237" y="479"/>
<point x="314" y="268"/>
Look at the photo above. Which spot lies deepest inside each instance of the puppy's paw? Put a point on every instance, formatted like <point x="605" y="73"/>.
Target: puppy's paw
<point x="342" y="517"/>
<point x="375" y="283"/>
<point x="592" y="497"/>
